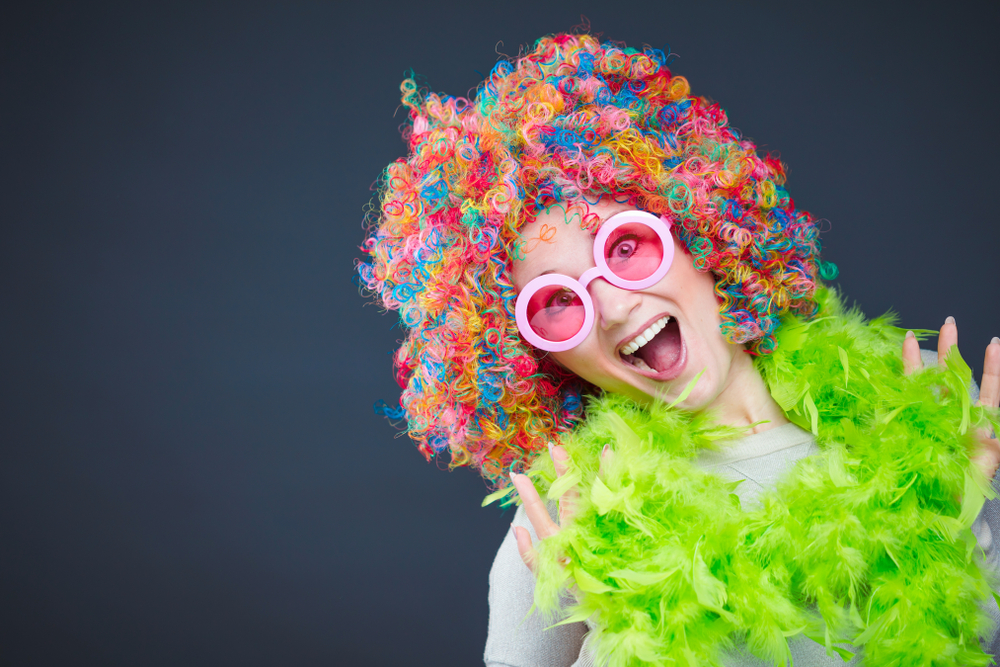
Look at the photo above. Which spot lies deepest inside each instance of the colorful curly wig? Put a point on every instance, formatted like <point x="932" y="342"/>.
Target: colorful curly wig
<point x="570" y="121"/>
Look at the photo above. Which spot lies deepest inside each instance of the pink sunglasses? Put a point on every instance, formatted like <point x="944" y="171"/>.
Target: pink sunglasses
<point x="632" y="250"/>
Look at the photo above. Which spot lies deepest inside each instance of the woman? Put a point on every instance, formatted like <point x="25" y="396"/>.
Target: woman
<point x="589" y="255"/>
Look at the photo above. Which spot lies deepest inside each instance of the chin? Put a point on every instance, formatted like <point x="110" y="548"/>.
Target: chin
<point x="704" y="392"/>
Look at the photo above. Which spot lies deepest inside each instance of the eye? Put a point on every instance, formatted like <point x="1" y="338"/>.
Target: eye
<point x="623" y="247"/>
<point x="560" y="299"/>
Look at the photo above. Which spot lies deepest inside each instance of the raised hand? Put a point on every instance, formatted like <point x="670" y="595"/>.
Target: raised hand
<point x="535" y="508"/>
<point x="988" y="457"/>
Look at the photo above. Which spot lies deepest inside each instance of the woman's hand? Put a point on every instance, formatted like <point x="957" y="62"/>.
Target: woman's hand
<point x="988" y="457"/>
<point x="538" y="513"/>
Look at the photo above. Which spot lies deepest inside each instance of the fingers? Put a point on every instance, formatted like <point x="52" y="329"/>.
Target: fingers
<point x="607" y="456"/>
<point x="988" y="456"/>
<point x="569" y="501"/>
<point x="947" y="338"/>
<point x="523" y="539"/>
<point x="987" y="459"/>
<point x="560" y="458"/>
<point x="989" y="389"/>
<point x="538" y="513"/>
<point x="911" y="354"/>
<point x="534" y="507"/>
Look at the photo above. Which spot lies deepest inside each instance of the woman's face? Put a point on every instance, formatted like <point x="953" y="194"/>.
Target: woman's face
<point x="689" y="342"/>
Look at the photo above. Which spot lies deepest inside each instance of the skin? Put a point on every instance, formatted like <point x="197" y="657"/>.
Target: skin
<point x="988" y="457"/>
<point x="730" y="386"/>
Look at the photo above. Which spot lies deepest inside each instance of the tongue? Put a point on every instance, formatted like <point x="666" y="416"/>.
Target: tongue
<point x="661" y="353"/>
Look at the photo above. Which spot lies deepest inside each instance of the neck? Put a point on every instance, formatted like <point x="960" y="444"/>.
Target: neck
<point x="745" y="399"/>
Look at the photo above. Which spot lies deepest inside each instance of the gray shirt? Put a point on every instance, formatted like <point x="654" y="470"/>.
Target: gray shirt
<point x="518" y="638"/>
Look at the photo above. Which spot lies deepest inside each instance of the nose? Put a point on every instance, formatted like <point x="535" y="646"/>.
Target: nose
<point x="613" y="304"/>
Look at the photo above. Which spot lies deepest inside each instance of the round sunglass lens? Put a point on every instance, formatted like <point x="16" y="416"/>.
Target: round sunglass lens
<point x="556" y="313"/>
<point x="633" y="251"/>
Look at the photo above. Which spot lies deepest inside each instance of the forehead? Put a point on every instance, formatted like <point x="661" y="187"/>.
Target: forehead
<point x="561" y="239"/>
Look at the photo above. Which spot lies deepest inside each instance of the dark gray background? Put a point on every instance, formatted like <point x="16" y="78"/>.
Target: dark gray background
<point x="192" y="472"/>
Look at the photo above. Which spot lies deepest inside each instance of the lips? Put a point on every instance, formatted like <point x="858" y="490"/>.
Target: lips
<point x="662" y="356"/>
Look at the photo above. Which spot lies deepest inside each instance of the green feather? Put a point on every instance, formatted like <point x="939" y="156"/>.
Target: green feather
<point x="865" y="543"/>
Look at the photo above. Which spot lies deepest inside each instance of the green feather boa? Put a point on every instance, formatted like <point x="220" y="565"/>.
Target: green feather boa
<point x="867" y="542"/>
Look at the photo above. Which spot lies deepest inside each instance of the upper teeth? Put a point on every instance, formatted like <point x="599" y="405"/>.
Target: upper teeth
<point x="646" y="335"/>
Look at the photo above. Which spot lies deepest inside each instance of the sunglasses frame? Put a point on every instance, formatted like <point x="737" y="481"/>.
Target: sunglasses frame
<point x="659" y="224"/>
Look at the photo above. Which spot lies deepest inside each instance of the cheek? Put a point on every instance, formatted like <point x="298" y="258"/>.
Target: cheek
<point x="699" y="288"/>
<point x="684" y="275"/>
<point x="583" y="361"/>
<point x="576" y="361"/>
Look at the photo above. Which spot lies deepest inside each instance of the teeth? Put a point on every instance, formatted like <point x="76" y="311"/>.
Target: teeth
<point x="639" y="363"/>
<point x="645" y="336"/>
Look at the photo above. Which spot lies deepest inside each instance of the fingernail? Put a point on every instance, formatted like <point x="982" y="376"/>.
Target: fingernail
<point x="607" y="448"/>
<point x="949" y="320"/>
<point x="512" y="474"/>
<point x="995" y="341"/>
<point x="910" y="334"/>
<point x="513" y="532"/>
<point x="550" y="451"/>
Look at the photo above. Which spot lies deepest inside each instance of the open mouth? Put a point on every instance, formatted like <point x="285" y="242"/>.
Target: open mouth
<point x="658" y="351"/>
